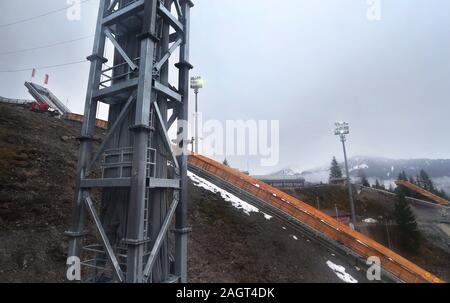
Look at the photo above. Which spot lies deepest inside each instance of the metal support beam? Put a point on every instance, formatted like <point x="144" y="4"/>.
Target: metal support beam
<point x="136" y="207"/>
<point x="105" y="242"/>
<point x="111" y="133"/>
<point x="123" y="13"/>
<point x="165" y="135"/>
<point x="172" y="119"/>
<point x="159" y="240"/>
<point x="168" y="92"/>
<point x="76" y="230"/>
<point x="164" y="183"/>
<point x="103" y="183"/>
<point x="174" y="37"/>
<point x="112" y="4"/>
<point x="121" y="51"/>
<point x="167" y="15"/>
<point x="178" y="9"/>
<point x="114" y="90"/>
<point x="168" y="54"/>
<point x="181" y="224"/>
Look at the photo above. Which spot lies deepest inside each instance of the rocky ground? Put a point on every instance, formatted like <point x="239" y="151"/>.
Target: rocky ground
<point x="38" y="156"/>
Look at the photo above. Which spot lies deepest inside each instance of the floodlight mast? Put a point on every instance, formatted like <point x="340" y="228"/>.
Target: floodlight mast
<point x="342" y="129"/>
<point x="196" y="84"/>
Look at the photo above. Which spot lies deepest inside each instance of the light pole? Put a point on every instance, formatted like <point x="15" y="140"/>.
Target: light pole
<point x="341" y="130"/>
<point x="196" y="84"/>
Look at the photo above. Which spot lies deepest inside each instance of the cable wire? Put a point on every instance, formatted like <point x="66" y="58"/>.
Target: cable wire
<point x="44" y="46"/>
<point x="40" y="16"/>
<point x="42" y="67"/>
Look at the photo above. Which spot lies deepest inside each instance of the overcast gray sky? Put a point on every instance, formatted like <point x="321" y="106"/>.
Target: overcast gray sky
<point x="307" y="63"/>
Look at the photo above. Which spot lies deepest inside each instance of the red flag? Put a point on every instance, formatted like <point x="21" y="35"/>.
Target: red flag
<point x="46" y="79"/>
<point x="33" y="73"/>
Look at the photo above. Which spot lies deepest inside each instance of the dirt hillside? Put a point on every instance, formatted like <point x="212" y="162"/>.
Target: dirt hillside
<point x="38" y="156"/>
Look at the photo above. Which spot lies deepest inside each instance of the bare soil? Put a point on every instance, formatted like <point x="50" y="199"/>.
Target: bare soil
<point x="38" y="157"/>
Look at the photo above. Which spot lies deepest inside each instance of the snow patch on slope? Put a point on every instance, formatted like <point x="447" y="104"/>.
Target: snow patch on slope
<point x="340" y="271"/>
<point x="235" y="201"/>
<point x="360" y="166"/>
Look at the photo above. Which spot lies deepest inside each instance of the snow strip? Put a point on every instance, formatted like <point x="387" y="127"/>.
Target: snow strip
<point x="370" y="220"/>
<point x="235" y="201"/>
<point x="340" y="271"/>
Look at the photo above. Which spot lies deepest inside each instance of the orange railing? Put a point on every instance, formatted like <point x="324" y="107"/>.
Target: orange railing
<point x="393" y="263"/>
<point x="79" y="118"/>
<point x="423" y="192"/>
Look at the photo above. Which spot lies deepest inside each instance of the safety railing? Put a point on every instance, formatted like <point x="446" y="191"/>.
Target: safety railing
<point x="365" y="247"/>
<point x="117" y="163"/>
<point x="423" y="192"/>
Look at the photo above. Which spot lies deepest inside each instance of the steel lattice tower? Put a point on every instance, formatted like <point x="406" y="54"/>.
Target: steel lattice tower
<point x="137" y="176"/>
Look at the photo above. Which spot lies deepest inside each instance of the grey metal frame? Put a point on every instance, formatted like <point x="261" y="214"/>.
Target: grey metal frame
<point x="136" y="210"/>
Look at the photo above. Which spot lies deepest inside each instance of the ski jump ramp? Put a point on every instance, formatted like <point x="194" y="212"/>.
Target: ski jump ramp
<point x="436" y="199"/>
<point x="44" y="95"/>
<point x="312" y="222"/>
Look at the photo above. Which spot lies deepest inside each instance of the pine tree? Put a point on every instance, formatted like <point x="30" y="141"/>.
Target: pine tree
<point x="335" y="170"/>
<point x="225" y="162"/>
<point x="363" y="178"/>
<point x="391" y="188"/>
<point x="406" y="176"/>
<point x="402" y="176"/>
<point x="377" y="184"/>
<point x="411" y="180"/>
<point x="409" y="235"/>
<point x="401" y="190"/>
<point x="425" y="181"/>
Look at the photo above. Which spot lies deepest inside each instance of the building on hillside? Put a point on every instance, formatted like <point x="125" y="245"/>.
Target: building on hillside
<point x="338" y="181"/>
<point x="283" y="182"/>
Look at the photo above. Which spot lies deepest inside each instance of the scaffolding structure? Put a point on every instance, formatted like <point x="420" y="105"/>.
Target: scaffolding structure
<point x="134" y="185"/>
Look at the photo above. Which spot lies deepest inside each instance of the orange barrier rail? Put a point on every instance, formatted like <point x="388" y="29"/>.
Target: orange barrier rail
<point x="393" y="263"/>
<point x="423" y="192"/>
<point x="79" y="118"/>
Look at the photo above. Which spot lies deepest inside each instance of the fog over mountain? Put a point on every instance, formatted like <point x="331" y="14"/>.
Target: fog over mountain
<point x="384" y="169"/>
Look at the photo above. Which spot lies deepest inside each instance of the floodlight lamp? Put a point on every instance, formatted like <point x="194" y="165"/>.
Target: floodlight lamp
<point x="196" y="82"/>
<point x="342" y="128"/>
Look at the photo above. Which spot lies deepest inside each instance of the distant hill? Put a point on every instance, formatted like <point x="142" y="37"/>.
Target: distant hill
<point x="385" y="169"/>
<point x="286" y="173"/>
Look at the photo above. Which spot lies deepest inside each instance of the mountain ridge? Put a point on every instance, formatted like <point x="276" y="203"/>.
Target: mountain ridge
<point x="384" y="169"/>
